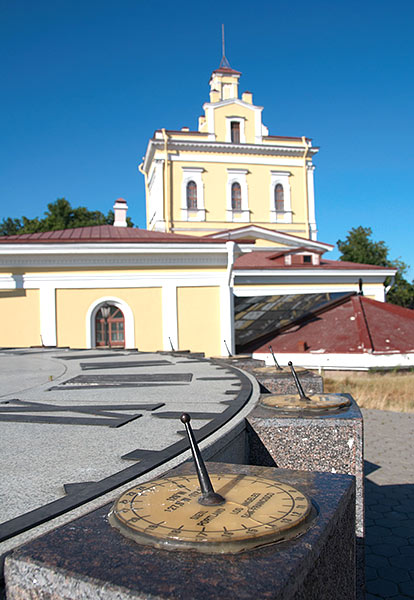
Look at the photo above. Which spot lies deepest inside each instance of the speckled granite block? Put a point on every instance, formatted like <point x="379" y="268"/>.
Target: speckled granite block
<point x="330" y="443"/>
<point x="248" y="364"/>
<point x="89" y="559"/>
<point x="283" y="383"/>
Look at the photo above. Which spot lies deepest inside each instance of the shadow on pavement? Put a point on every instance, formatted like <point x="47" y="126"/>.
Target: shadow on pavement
<point x="389" y="519"/>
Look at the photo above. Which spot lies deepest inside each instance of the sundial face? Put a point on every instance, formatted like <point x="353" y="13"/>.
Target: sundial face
<point x="314" y="402"/>
<point x="166" y="513"/>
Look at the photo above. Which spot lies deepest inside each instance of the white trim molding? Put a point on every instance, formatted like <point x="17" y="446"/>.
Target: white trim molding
<point x="286" y="287"/>
<point x="128" y="317"/>
<point x="193" y="214"/>
<point x="256" y="231"/>
<point x="352" y="361"/>
<point x="226" y="320"/>
<point x="313" y="232"/>
<point x="243" y="215"/>
<point x="156" y="195"/>
<point x="9" y="282"/>
<point x="280" y="178"/>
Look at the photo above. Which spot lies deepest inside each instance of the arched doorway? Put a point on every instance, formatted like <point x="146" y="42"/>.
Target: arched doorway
<point x="109" y="327"/>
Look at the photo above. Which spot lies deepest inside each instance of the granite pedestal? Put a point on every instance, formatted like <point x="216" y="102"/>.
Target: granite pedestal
<point x="282" y="382"/>
<point x="240" y="361"/>
<point x="332" y="443"/>
<point x="89" y="559"/>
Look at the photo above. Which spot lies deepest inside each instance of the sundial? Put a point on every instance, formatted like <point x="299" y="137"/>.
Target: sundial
<point x="301" y="402"/>
<point x="213" y="513"/>
<point x="276" y="368"/>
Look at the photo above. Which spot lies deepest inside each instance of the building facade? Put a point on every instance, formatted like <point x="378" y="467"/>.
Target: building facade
<point x="230" y="172"/>
<point x="230" y="217"/>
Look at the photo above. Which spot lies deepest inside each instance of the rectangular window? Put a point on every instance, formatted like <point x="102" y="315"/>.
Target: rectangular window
<point x="235" y="132"/>
<point x="307" y="258"/>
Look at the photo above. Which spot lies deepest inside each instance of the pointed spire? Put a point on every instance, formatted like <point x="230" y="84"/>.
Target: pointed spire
<point x="224" y="62"/>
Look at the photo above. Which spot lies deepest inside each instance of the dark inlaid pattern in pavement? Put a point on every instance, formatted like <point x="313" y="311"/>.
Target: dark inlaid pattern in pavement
<point x="95" y="355"/>
<point x="143" y="460"/>
<point x="130" y="378"/>
<point x="224" y="378"/>
<point x="105" y="386"/>
<point x="18" y="411"/>
<point x="123" y="364"/>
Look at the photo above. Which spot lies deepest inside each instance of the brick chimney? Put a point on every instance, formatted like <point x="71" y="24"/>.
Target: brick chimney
<point x="120" y="211"/>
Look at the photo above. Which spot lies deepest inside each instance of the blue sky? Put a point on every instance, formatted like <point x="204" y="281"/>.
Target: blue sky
<point x="85" y="84"/>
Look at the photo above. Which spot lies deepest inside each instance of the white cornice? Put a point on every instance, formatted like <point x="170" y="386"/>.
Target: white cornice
<point x="75" y="258"/>
<point x="111" y="248"/>
<point x="274" y="149"/>
<point x="121" y="280"/>
<point x="229" y="101"/>
<point x="275" y="236"/>
<point x="277" y="277"/>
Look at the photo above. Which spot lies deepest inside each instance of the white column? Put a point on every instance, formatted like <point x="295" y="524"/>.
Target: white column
<point x="311" y="202"/>
<point x="226" y="319"/>
<point x="47" y="301"/>
<point x="169" y="316"/>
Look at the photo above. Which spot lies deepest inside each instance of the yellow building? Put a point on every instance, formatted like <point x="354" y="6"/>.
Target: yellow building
<point x="230" y="230"/>
<point x="230" y="172"/>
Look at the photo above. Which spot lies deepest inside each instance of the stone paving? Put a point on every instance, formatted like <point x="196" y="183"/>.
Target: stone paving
<point x="389" y="468"/>
<point x="389" y="501"/>
<point x="76" y="426"/>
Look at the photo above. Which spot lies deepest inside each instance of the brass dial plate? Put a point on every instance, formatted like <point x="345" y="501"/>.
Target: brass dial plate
<point x="166" y="513"/>
<point x="317" y="401"/>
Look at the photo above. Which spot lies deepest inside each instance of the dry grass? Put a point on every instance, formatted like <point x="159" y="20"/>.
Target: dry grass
<point x="385" y="391"/>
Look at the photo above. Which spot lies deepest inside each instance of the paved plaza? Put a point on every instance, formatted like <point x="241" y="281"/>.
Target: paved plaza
<point x="78" y="426"/>
<point x="389" y="496"/>
<point x="69" y="419"/>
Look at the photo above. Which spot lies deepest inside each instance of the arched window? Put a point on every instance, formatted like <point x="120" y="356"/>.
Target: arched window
<point x="279" y="198"/>
<point x="235" y="196"/>
<point x="110" y="327"/>
<point x="191" y="194"/>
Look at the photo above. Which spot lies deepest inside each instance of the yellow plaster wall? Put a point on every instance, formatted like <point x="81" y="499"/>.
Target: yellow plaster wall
<point x="215" y="177"/>
<point x="260" y="243"/>
<point x="20" y="324"/>
<point x="72" y="307"/>
<point x="198" y="311"/>
<point x="221" y="113"/>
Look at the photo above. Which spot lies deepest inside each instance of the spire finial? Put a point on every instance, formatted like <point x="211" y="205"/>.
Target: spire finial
<point x="224" y="62"/>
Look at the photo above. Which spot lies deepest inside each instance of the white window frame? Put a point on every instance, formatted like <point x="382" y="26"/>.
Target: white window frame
<point x="241" y="121"/>
<point x="238" y="216"/>
<point x="280" y="178"/>
<point x="193" y="214"/>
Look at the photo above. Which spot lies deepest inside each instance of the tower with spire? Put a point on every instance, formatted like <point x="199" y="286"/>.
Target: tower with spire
<point x="229" y="172"/>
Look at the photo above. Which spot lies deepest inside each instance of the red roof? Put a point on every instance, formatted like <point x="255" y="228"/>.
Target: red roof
<point x="294" y="251"/>
<point x="352" y="325"/>
<point x="266" y="260"/>
<point x="227" y="71"/>
<point x="102" y="233"/>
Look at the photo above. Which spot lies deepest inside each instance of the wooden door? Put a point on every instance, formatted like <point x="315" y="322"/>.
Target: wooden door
<point x="110" y="332"/>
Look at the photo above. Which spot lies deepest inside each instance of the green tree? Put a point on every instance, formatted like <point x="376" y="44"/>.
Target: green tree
<point x="59" y="215"/>
<point x="358" y="247"/>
